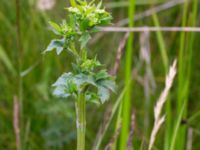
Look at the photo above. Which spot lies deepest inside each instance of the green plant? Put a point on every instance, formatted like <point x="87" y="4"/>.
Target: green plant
<point x="87" y="81"/>
<point x="126" y="104"/>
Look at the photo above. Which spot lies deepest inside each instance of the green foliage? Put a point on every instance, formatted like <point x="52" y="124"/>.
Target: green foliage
<point x="56" y="44"/>
<point x="88" y="15"/>
<point x="96" y="86"/>
<point x="83" y="20"/>
<point x="86" y="76"/>
<point x="86" y="82"/>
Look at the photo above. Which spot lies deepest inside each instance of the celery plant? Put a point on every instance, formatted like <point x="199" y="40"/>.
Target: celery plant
<point x="87" y="82"/>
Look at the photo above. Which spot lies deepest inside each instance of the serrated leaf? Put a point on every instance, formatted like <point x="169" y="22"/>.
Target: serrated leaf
<point x="63" y="79"/>
<point x="102" y="75"/>
<point x="84" y="39"/>
<point x="65" y="85"/>
<point x="83" y="79"/>
<point x="57" y="44"/>
<point x="109" y="84"/>
<point x="60" y="91"/>
<point x="103" y="94"/>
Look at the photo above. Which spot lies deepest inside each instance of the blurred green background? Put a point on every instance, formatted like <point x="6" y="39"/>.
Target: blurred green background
<point x="48" y="123"/>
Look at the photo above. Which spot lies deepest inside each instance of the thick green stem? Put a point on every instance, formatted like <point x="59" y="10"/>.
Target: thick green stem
<point x="81" y="121"/>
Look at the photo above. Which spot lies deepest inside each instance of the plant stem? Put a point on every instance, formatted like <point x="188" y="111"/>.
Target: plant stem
<point x="164" y="55"/>
<point x="186" y="47"/>
<point x="19" y="144"/>
<point x="126" y="104"/>
<point x="81" y="121"/>
<point x="182" y="80"/>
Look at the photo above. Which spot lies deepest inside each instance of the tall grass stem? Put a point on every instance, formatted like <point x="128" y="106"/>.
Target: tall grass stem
<point x="126" y="104"/>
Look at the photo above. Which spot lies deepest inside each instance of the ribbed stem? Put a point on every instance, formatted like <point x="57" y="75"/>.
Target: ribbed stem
<point x="81" y="122"/>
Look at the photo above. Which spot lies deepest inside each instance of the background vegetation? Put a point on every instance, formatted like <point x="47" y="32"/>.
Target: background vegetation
<point x="46" y="122"/>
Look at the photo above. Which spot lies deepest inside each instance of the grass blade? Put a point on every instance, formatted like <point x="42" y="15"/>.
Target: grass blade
<point x="6" y="60"/>
<point x="177" y="126"/>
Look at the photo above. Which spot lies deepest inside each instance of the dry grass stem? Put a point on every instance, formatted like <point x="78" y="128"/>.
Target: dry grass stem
<point x="130" y="138"/>
<point x="150" y="29"/>
<point x="119" y="54"/>
<point x="149" y="12"/>
<point x="189" y="139"/>
<point x="16" y="121"/>
<point x="114" y="138"/>
<point x="159" y="105"/>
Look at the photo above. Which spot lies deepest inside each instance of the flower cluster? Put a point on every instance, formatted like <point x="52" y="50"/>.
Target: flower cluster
<point x="89" y="15"/>
<point x="83" y="20"/>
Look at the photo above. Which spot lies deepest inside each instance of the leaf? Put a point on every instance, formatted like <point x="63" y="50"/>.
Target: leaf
<point x="28" y="70"/>
<point x="89" y="65"/>
<point x="57" y="44"/>
<point x="109" y="84"/>
<point x="63" y="79"/>
<point x="65" y="85"/>
<point x="92" y="97"/>
<point x="84" y="39"/>
<point x="55" y="27"/>
<point x="82" y="2"/>
<point x="60" y="91"/>
<point x="6" y="60"/>
<point x="83" y="79"/>
<point x="103" y="94"/>
<point x="72" y="21"/>
<point x="104" y="79"/>
<point x="102" y="75"/>
<point x="92" y="2"/>
<point x="76" y="68"/>
<point x="99" y="4"/>
<point x="105" y="20"/>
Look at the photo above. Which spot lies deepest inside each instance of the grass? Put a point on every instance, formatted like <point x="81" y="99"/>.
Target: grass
<point x="164" y="55"/>
<point x="185" y="62"/>
<point x="48" y="122"/>
<point x="126" y="104"/>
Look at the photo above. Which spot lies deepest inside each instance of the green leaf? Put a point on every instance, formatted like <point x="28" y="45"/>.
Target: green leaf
<point x="105" y="80"/>
<point x="89" y="65"/>
<point x="99" y="4"/>
<point x="102" y="75"/>
<point x="105" y="20"/>
<point x="55" y="27"/>
<point x="92" y="97"/>
<point x="83" y="80"/>
<point x="6" y="60"/>
<point x="84" y="39"/>
<point x="109" y="84"/>
<point x="57" y="44"/>
<point x="65" y="85"/>
<point x="84" y="24"/>
<point x="63" y="79"/>
<point x="61" y="91"/>
<point x="103" y="94"/>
